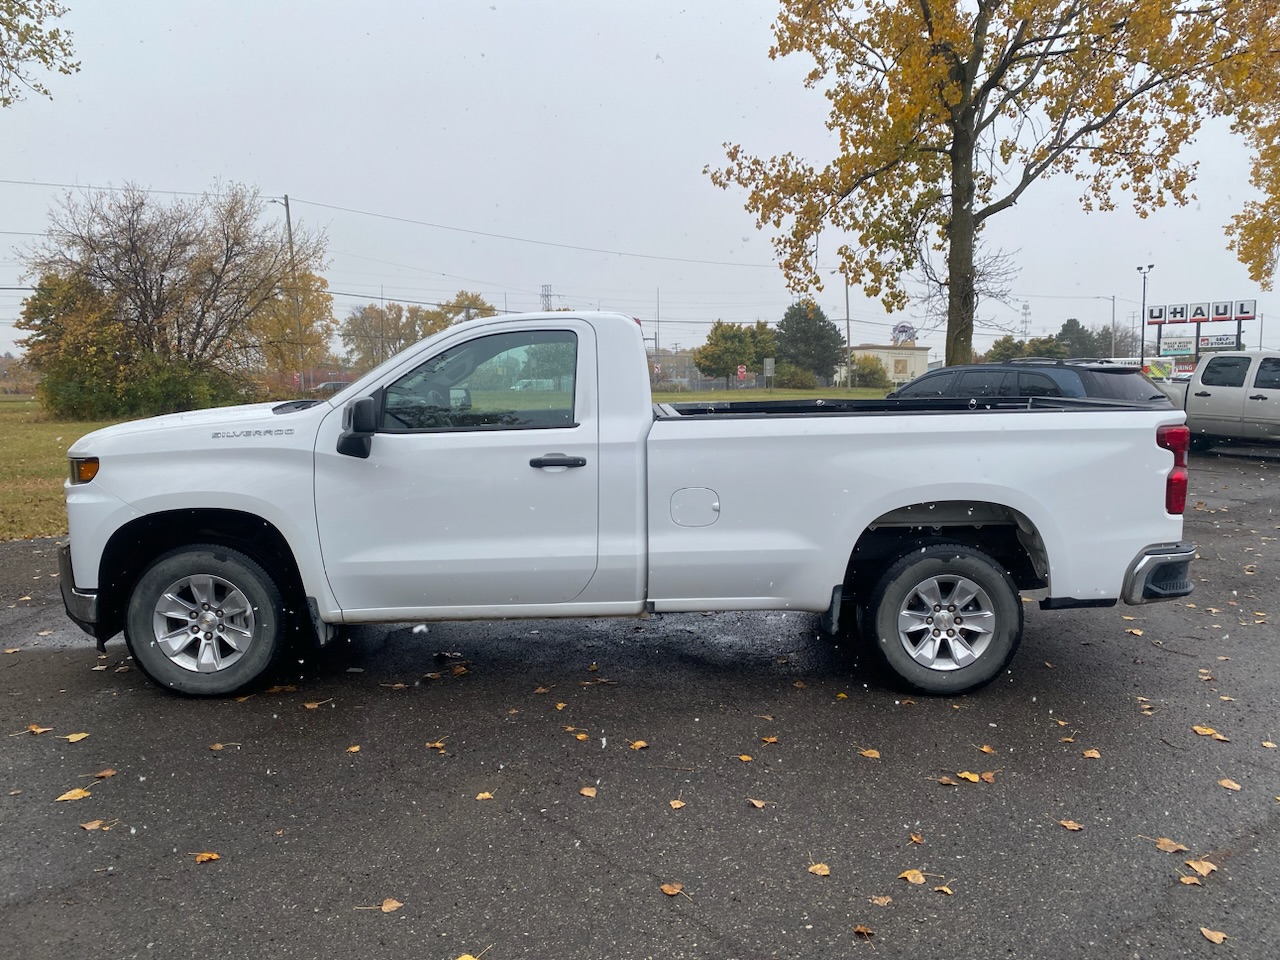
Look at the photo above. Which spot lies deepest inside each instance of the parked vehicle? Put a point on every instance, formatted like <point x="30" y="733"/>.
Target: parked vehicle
<point x="1034" y="377"/>
<point x="433" y="492"/>
<point x="1230" y="396"/>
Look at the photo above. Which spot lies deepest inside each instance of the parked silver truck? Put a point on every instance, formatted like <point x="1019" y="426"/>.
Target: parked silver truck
<point x="1231" y="396"/>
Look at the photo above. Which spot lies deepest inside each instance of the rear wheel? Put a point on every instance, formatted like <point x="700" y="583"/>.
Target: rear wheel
<point x="945" y="618"/>
<point x="205" y="620"/>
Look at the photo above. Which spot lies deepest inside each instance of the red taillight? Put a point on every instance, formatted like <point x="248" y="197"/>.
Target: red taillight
<point x="1176" y="439"/>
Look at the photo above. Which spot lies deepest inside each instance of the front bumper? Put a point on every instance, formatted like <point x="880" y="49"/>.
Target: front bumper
<point x="1160" y="572"/>
<point x="82" y="605"/>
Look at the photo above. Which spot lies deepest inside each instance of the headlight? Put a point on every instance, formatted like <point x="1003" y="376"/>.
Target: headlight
<point x="83" y="469"/>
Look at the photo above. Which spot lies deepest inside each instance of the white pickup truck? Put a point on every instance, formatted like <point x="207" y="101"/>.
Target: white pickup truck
<point x="432" y="490"/>
<point x="1231" y="396"/>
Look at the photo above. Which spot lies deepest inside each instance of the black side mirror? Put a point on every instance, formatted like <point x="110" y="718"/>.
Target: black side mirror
<point x="359" y="424"/>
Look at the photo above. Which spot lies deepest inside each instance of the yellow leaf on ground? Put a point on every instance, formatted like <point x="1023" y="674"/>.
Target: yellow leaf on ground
<point x="800" y="685"/>
<point x="1228" y="783"/>
<point x="948" y="782"/>
<point x="1136" y="631"/>
<point x="459" y="670"/>
<point x="675" y="804"/>
<point x="968" y="775"/>
<point x="1071" y="825"/>
<point x="1202" y="867"/>
<point x="75" y="793"/>
<point x="671" y="889"/>
<point x="13" y="649"/>
<point x="282" y="688"/>
<point x="820" y="869"/>
<point x="91" y="825"/>
<point x="561" y="706"/>
<point x="436" y="745"/>
<point x="484" y="795"/>
<point x="842" y="696"/>
<point x="916" y="838"/>
<point x="768" y="739"/>
<point x="579" y="736"/>
<point x="987" y="748"/>
<point x="881" y="901"/>
<point x="1220" y="738"/>
<point x="1169" y="846"/>
<point x="588" y="791"/>
<point x="207" y="856"/>
<point x="863" y="931"/>
<point x="637" y="745"/>
<point x="1204" y="731"/>
<point x="1268" y="744"/>
<point x="317" y="704"/>
<point x="215" y="746"/>
<point x="103" y="774"/>
<point x="1191" y="881"/>
<point x="74" y="737"/>
<point x="989" y="776"/>
<point x="758" y="804"/>
<point x="869" y="754"/>
<point x="1091" y="754"/>
<point x="947" y="890"/>
<point x="912" y="876"/>
<point x="542" y="690"/>
<point x="1213" y="936"/>
<point x="391" y="905"/>
<point x="745" y="757"/>
<point x="1066" y="739"/>
<point x="354" y="748"/>
<point x="35" y="728"/>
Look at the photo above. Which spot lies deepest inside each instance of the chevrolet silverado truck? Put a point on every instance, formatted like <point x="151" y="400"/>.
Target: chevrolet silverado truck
<point x="431" y="489"/>
<point x="1232" y="396"/>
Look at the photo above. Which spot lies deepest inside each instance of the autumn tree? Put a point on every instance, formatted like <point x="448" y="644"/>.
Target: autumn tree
<point x="868" y="371"/>
<point x="728" y="346"/>
<point x="807" y="339"/>
<point x="375" y="332"/>
<point x="946" y="112"/>
<point x="31" y="41"/>
<point x="293" y="329"/>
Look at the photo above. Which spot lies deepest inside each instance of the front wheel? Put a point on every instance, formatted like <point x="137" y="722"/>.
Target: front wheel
<point x="946" y="618"/>
<point x="205" y="620"/>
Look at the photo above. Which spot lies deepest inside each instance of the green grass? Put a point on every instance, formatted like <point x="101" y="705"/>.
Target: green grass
<point x="33" y="463"/>
<point x="723" y="396"/>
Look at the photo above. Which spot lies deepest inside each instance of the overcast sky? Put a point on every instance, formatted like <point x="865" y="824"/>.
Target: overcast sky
<point x="498" y="147"/>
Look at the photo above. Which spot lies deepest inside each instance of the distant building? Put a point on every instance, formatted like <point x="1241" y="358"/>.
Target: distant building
<point x="903" y="361"/>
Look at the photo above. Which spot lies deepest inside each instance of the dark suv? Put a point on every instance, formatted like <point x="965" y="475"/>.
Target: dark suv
<point x="1034" y="377"/>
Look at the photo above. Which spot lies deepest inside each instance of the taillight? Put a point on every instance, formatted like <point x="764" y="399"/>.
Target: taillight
<point x="1176" y="439"/>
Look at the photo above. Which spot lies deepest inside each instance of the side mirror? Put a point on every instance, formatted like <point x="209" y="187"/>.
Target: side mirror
<point x="359" y="424"/>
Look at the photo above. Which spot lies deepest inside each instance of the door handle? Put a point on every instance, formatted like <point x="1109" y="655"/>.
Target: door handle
<point x="558" y="460"/>
<point x="1204" y="393"/>
<point x="1258" y="396"/>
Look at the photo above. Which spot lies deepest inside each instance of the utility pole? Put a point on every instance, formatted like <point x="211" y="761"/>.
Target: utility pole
<point x="657" y="328"/>
<point x="546" y="298"/>
<point x="1142" y="320"/>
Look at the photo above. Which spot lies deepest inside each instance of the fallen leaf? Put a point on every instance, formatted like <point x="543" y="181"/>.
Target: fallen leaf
<point x="1228" y="784"/>
<point x="1204" y="731"/>
<point x="485" y="795"/>
<point x="459" y="670"/>
<point x="881" y="901"/>
<point x="745" y="757"/>
<point x="391" y="905"/>
<point x="354" y="748"/>
<point x="76" y="793"/>
<point x="863" y="931"/>
<point x="765" y="716"/>
<point x="758" y="804"/>
<point x="35" y="728"/>
<point x="1071" y="824"/>
<point x="74" y="737"/>
<point x="282" y="688"/>
<point x="1136" y="631"/>
<point x="842" y="696"/>
<point x="215" y="746"/>
<point x="1220" y="738"/>
<point x="916" y="838"/>
<point x="207" y="856"/>
<point x="542" y="690"/>
<point x="1191" y="881"/>
<point x="561" y="706"/>
<point x="987" y="748"/>
<point x="989" y="776"/>
<point x="13" y="650"/>
<point x="1091" y="754"/>
<point x="675" y="804"/>
<point x="1169" y="846"/>
<point x="317" y="704"/>
<point x="1213" y="936"/>
<point x="1066" y="739"/>
<point x="912" y="876"/>
<point x="395" y="686"/>
<point x="768" y="739"/>
<point x="637" y="744"/>
<point x="103" y="774"/>
<point x="671" y="889"/>
<point x="1226" y="699"/>
<point x="1202" y="867"/>
<point x="820" y="869"/>
<point x="585" y="791"/>
<point x="91" y="825"/>
<point x="870" y="754"/>
<point x="1268" y="744"/>
<point x="436" y="744"/>
<point x="948" y="782"/>
<point x="800" y="685"/>
<point x="967" y="775"/>
<point x="947" y="890"/>
<point x="580" y="736"/>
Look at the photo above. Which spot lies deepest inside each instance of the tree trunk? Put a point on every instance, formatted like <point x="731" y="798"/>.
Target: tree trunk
<point x="961" y="243"/>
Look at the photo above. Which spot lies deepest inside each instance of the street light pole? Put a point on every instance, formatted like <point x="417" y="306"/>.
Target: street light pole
<point x="293" y="275"/>
<point x="1142" y="319"/>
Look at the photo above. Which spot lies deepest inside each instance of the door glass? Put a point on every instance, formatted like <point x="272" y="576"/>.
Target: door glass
<point x="935" y="386"/>
<point x="1268" y="377"/>
<point x="507" y="381"/>
<point x="1036" y="385"/>
<point x="1225" y="372"/>
<point x="979" y="383"/>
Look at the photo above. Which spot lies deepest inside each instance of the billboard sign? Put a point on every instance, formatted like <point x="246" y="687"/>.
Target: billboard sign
<point x="1222" y="341"/>
<point x="1178" y="346"/>
<point x="1203" y="312"/>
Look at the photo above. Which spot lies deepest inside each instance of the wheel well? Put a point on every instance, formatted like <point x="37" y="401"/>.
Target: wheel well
<point x="1001" y="532"/>
<point x="137" y="544"/>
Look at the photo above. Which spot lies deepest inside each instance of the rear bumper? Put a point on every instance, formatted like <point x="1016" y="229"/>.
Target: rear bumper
<point x="82" y="605"/>
<point x="1160" y="572"/>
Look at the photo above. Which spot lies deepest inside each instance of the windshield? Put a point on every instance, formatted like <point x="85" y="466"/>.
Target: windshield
<point x="1122" y="384"/>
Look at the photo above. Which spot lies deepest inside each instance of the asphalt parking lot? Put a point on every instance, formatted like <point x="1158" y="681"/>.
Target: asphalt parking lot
<point x="782" y="787"/>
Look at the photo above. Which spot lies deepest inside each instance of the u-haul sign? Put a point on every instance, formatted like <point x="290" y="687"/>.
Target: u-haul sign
<point x="1203" y="312"/>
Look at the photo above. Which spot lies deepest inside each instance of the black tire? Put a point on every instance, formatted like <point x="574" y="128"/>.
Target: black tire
<point x="936" y="650"/>
<point x="1200" y="443"/>
<point x="233" y="615"/>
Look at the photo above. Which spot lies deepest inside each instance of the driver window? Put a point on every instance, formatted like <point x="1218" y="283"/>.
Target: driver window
<point x="507" y="381"/>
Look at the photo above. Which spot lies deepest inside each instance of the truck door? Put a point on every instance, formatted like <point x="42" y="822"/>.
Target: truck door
<point x="1262" y="401"/>
<point x="474" y="493"/>
<point x="1215" y="403"/>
